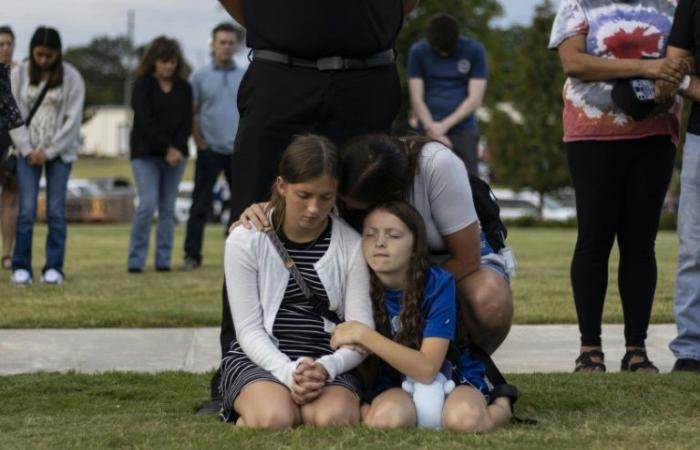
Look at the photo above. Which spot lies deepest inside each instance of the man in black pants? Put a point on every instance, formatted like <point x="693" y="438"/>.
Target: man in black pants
<point x="318" y="66"/>
<point x="214" y="88"/>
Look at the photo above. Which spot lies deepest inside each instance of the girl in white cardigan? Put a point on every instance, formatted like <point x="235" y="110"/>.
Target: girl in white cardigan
<point x="280" y="371"/>
<point x="57" y="91"/>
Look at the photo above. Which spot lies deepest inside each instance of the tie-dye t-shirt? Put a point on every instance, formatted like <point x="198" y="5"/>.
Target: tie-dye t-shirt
<point x="613" y="29"/>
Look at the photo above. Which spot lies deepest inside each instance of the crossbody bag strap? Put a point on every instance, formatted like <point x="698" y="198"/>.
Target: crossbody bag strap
<point x="37" y="103"/>
<point x="319" y="306"/>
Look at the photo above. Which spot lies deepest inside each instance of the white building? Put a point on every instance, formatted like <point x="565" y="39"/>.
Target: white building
<point x="106" y="133"/>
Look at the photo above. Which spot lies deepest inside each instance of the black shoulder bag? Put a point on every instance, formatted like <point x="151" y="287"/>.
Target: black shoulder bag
<point x="8" y="159"/>
<point x="320" y="307"/>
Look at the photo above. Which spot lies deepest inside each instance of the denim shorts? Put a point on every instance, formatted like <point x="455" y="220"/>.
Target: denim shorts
<point x="495" y="262"/>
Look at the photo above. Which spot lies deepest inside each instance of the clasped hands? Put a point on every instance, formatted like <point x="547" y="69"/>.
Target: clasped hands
<point x="37" y="158"/>
<point x="309" y="377"/>
<point x="438" y="131"/>
<point x="308" y="381"/>
<point x="173" y="157"/>
<point x="669" y="74"/>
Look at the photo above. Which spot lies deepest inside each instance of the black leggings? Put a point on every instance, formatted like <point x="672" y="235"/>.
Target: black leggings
<point x="620" y="187"/>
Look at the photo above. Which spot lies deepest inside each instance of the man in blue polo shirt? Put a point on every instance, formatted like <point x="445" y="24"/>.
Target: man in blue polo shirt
<point x="447" y="81"/>
<point x="215" y="89"/>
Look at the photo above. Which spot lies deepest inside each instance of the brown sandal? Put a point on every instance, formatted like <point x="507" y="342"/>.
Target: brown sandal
<point x="584" y="363"/>
<point x="7" y="262"/>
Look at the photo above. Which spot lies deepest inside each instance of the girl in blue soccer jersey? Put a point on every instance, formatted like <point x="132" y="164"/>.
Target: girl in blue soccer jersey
<point x="415" y="314"/>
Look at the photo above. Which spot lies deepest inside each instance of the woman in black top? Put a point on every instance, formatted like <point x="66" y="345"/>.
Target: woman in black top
<point x="162" y="102"/>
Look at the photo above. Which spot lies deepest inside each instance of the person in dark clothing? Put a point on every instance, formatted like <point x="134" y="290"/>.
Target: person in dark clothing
<point x="215" y="88"/>
<point x="325" y="67"/>
<point x="9" y="197"/>
<point x="447" y="81"/>
<point x="684" y="42"/>
<point x="162" y="102"/>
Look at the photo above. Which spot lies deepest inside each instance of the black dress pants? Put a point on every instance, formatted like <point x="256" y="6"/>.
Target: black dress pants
<point x="277" y="102"/>
<point x="209" y="165"/>
<point x="620" y="188"/>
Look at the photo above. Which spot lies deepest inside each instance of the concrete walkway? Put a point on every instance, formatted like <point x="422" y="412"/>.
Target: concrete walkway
<point x="529" y="348"/>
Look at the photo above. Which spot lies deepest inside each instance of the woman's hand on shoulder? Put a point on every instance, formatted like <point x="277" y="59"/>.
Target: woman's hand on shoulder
<point x="254" y="216"/>
<point x="348" y="334"/>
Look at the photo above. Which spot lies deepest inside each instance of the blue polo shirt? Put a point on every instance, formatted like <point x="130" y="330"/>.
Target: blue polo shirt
<point x="446" y="78"/>
<point x="215" y="90"/>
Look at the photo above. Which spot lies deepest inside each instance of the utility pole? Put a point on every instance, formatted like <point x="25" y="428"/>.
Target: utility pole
<point x="129" y="80"/>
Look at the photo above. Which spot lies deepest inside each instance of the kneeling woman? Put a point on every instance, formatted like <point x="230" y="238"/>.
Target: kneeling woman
<point x="415" y="311"/>
<point x="280" y="371"/>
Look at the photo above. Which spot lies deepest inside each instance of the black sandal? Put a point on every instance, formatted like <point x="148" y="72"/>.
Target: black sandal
<point x="511" y="393"/>
<point x="645" y="365"/>
<point x="505" y="390"/>
<point x="584" y="363"/>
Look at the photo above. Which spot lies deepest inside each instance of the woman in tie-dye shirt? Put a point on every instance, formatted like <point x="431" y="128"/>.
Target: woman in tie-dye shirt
<point x="620" y="166"/>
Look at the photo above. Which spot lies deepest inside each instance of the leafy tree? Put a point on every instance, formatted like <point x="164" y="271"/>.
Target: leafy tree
<point x="529" y="153"/>
<point x="103" y="65"/>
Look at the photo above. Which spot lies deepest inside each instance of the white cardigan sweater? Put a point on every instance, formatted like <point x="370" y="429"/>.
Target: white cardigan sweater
<point x="66" y="139"/>
<point x="256" y="279"/>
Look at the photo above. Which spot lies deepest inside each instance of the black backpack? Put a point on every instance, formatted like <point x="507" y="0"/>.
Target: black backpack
<point x="489" y="213"/>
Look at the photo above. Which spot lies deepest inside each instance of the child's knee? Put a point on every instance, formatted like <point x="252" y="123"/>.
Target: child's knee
<point x="385" y="416"/>
<point x="277" y="418"/>
<point x="333" y="416"/>
<point x="465" y="418"/>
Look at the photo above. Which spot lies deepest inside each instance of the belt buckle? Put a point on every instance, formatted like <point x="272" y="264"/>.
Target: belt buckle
<point x="330" y="63"/>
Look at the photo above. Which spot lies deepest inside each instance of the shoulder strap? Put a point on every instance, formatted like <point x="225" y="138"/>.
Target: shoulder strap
<point x="37" y="103"/>
<point x="319" y="306"/>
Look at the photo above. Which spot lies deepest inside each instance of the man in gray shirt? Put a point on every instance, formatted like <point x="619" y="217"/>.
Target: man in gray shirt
<point x="215" y="89"/>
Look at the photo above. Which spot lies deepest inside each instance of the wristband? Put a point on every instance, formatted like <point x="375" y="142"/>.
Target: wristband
<point x="685" y="83"/>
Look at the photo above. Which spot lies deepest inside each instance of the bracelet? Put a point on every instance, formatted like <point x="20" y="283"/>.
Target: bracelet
<point x="685" y="83"/>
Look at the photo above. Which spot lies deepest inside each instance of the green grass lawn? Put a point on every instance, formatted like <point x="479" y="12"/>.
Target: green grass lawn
<point x="99" y="293"/>
<point x="613" y="411"/>
<point x="96" y="167"/>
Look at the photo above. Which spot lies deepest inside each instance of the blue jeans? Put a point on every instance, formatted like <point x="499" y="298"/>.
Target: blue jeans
<point x="157" y="184"/>
<point x="57" y="173"/>
<point x="687" y="297"/>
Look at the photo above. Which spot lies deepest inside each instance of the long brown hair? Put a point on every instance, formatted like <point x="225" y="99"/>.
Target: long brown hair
<point x="410" y="332"/>
<point x="308" y="156"/>
<point x="165" y="49"/>
<point x="379" y="168"/>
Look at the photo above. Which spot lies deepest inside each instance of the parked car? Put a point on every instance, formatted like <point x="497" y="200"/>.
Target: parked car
<point x="515" y="205"/>
<point x="220" y="205"/>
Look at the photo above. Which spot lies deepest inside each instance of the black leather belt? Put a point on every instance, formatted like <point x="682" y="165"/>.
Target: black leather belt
<point x="329" y="63"/>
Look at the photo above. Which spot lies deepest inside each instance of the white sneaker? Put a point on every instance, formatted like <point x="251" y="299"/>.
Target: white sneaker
<point x="52" y="276"/>
<point x="21" y="277"/>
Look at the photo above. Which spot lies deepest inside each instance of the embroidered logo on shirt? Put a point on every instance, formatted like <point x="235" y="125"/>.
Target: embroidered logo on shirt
<point x="463" y="66"/>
